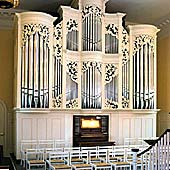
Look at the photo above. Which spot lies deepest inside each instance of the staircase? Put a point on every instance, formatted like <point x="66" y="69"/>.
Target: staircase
<point x="157" y="155"/>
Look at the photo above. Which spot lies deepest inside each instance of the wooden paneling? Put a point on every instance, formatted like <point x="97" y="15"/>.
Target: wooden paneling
<point x="148" y="127"/>
<point x="26" y="128"/>
<point x="136" y="127"/>
<point x="56" y="128"/>
<point x="58" y="125"/>
<point x="41" y="128"/>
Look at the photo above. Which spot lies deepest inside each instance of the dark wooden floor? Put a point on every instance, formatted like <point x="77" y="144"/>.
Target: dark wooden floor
<point x="5" y="163"/>
<point x="10" y="163"/>
<point x="16" y="163"/>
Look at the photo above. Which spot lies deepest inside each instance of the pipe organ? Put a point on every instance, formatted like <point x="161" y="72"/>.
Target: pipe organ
<point x="88" y="60"/>
<point x="87" y="63"/>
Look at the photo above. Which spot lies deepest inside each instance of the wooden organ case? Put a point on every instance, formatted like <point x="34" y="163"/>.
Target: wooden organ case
<point x="87" y="62"/>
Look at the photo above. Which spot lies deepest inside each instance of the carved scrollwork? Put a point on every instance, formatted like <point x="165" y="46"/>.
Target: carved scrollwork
<point x="72" y="103"/>
<point x="125" y="64"/>
<point x="72" y="70"/>
<point x="31" y="29"/>
<point x="88" y="64"/>
<point x="57" y="101"/>
<point x="109" y="103"/>
<point x="111" y="71"/>
<point x="125" y="46"/>
<point x="125" y="102"/>
<point x="91" y="10"/>
<point x="57" y="41"/>
<point x="58" y="31"/>
<point x="112" y="29"/>
<point x="72" y="25"/>
<point x="142" y="40"/>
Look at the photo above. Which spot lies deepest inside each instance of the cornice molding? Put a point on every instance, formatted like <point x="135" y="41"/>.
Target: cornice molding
<point x="164" y="25"/>
<point x="7" y="21"/>
<point x="7" y="18"/>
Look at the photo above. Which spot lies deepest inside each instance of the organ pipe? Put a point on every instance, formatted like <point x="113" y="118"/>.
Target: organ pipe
<point x="35" y="70"/>
<point x="91" y="29"/>
<point x="91" y="93"/>
<point x="143" y="76"/>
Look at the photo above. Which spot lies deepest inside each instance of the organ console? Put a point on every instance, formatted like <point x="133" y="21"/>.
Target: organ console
<point x="91" y="130"/>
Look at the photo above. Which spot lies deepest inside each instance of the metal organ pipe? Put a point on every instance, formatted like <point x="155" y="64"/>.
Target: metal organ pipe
<point x="91" y="79"/>
<point x="25" y="73"/>
<point x="146" y="76"/>
<point x="149" y="51"/>
<point x="30" y="70"/>
<point x="41" y="72"/>
<point x="144" y="91"/>
<point x="91" y="32"/>
<point x="138" y="79"/>
<point x="134" y="80"/>
<point x="22" y="75"/>
<point x="59" y="77"/>
<point x="54" y="79"/>
<point x="141" y="76"/>
<point x="89" y="87"/>
<point x="35" y="70"/>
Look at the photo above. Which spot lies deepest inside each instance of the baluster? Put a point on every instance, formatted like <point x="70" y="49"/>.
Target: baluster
<point x="168" y="143"/>
<point x="164" y="151"/>
<point x="153" y="157"/>
<point x="149" y="160"/>
<point x="161" y="154"/>
<point x="134" y="158"/>
<point x="156" y="156"/>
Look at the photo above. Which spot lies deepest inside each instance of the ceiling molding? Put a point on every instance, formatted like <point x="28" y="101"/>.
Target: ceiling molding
<point x="164" y="25"/>
<point x="7" y="18"/>
<point x="7" y="21"/>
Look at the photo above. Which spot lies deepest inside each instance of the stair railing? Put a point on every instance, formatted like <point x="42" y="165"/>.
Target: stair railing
<point x="156" y="156"/>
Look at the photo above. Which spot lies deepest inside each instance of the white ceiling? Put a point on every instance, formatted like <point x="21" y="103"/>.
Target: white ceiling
<point x="138" y="11"/>
<point x="156" y="12"/>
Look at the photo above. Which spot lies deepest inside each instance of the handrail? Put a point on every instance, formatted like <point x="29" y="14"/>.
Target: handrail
<point x="156" y="141"/>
